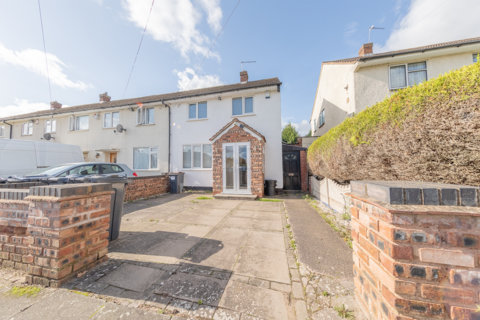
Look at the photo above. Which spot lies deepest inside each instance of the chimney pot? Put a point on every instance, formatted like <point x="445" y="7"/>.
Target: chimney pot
<point x="366" y="49"/>
<point x="104" y="97"/>
<point x="243" y="76"/>
<point x="55" y="105"/>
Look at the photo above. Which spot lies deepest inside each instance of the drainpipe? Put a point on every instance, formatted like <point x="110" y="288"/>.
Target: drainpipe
<point x="169" y="134"/>
<point x="10" y="128"/>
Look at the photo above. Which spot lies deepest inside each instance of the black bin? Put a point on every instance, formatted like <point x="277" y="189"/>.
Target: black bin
<point x="116" y="204"/>
<point x="176" y="182"/>
<point x="270" y="186"/>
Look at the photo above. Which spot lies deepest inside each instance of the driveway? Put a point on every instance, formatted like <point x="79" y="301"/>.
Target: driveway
<point x="182" y="257"/>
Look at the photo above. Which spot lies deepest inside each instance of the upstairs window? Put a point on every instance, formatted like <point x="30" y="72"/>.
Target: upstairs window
<point x="50" y="126"/>
<point x="77" y="123"/>
<point x="406" y="75"/>
<point x="197" y="111"/>
<point x="242" y="106"/>
<point x="2" y="131"/>
<point x="321" y="118"/>
<point x="27" y="129"/>
<point x="145" y="116"/>
<point x="475" y="57"/>
<point x="111" y="119"/>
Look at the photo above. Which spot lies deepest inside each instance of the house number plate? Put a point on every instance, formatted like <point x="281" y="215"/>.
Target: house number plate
<point x="291" y="174"/>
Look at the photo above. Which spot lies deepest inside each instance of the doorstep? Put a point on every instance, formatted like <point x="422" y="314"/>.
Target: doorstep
<point x="226" y="196"/>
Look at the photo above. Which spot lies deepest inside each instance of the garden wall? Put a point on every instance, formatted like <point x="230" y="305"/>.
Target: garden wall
<point x="416" y="250"/>
<point x="331" y="193"/>
<point x="146" y="187"/>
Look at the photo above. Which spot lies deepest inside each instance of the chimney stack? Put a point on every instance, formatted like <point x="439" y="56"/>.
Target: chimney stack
<point x="243" y="76"/>
<point x="55" y="105"/>
<point x="366" y="49"/>
<point x="104" y="97"/>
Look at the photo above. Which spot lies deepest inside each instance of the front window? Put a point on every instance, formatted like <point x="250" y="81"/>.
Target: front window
<point x="27" y="129"/>
<point x="197" y="156"/>
<point x="475" y="57"/>
<point x="76" y="123"/>
<point x="111" y="119"/>
<point x="241" y="106"/>
<point x="145" y="116"/>
<point x="2" y="131"/>
<point x="145" y="158"/>
<point x="405" y="75"/>
<point x="197" y="111"/>
<point x="50" y="126"/>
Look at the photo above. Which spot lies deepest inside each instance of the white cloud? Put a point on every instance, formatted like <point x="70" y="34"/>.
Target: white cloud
<point x="175" y="22"/>
<point x="303" y="127"/>
<point x="197" y="81"/>
<point x="34" y="60"/>
<point x="434" y="21"/>
<point x="349" y="33"/>
<point x="22" y="106"/>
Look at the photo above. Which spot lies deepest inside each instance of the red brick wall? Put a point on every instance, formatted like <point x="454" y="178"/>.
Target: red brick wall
<point x="237" y="134"/>
<point x="146" y="187"/>
<point x="304" y="170"/>
<point x="63" y="235"/>
<point x="416" y="261"/>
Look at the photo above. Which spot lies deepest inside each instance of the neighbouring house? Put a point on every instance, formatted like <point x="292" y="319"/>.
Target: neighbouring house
<point x="226" y="138"/>
<point x="348" y="86"/>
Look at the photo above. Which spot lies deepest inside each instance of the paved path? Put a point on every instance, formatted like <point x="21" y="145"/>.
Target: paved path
<point x="180" y="257"/>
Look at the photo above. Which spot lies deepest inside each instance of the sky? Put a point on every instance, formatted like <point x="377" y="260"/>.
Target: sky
<point x="92" y="44"/>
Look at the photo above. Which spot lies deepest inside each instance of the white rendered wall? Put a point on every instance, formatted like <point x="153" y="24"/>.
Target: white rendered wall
<point x="266" y="120"/>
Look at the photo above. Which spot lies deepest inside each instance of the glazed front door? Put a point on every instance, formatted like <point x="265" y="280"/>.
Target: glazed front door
<point x="236" y="168"/>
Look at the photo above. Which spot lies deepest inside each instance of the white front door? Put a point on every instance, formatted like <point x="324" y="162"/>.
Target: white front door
<point x="236" y="168"/>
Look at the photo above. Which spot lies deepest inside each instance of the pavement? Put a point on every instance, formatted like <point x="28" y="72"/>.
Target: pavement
<point x="180" y="257"/>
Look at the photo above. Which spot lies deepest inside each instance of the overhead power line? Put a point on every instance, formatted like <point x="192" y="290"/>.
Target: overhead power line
<point x="212" y="45"/>
<point x="45" y="50"/>
<point x="139" y="46"/>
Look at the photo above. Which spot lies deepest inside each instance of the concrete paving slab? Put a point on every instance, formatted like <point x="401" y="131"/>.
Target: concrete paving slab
<point x="194" y="288"/>
<point x="191" y="231"/>
<point x="202" y="311"/>
<point x="267" y="240"/>
<point x="11" y="306"/>
<point x="273" y="225"/>
<point x="256" y="301"/>
<point x="238" y="222"/>
<point x="301" y="310"/>
<point x="230" y="235"/>
<point x="215" y="254"/>
<point x="132" y="277"/>
<point x="264" y="264"/>
<point x="244" y="214"/>
<point x="225" y="314"/>
<point x="62" y="304"/>
<point x="112" y="311"/>
<point x="134" y="225"/>
<point x="261" y="206"/>
<point x="226" y="204"/>
<point x="170" y="250"/>
<point x="164" y="227"/>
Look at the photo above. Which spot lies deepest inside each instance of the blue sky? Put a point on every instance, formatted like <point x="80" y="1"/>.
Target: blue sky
<point x="91" y="44"/>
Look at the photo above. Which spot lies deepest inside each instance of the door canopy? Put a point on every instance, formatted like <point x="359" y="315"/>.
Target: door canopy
<point x="235" y="122"/>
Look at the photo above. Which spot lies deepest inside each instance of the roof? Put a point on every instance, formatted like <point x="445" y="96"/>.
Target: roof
<point x="443" y="45"/>
<point x="154" y="98"/>
<point x="235" y="120"/>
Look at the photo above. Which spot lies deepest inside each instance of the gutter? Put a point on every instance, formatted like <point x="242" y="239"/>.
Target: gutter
<point x="11" y="129"/>
<point x="169" y="134"/>
<point x="278" y="84"/>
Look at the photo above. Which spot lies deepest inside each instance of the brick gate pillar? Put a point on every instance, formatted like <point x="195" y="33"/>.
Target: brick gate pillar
<point x="416" y="250"/>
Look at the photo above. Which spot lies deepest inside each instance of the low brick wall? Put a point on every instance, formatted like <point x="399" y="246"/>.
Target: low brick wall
<point x="55" y="232"/>
<point x="146" y="187"/>
<point x="414" y="260"/>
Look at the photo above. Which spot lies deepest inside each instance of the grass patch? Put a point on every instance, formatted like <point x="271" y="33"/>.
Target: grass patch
<point x="269" y="200"/>
<point x="343" y="312"/>
<point x="204" y="198"/>
<point x="325" y="294"/>
<point x="24" y="291"/>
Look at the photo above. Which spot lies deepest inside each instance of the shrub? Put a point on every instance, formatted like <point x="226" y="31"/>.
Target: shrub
<point x="428" y="132"/>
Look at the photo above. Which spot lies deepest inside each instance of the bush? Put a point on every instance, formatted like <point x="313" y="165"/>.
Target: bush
<point x="428" y="132"/>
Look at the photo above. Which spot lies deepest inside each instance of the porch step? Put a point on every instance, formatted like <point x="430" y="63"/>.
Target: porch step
<point x="249" y="197"/>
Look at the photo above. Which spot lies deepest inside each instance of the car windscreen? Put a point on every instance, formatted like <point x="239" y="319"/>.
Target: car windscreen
<point x="50" y="171"/>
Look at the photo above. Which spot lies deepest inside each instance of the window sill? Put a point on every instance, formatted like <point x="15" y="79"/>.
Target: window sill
<point x="197" y="169"/>
<point x="244" y="115"/>
<point x="188" y="120"/>
<point x="77" y="130"/>
<point x="145" y="170"/>
<point x="109" y="128"/>
<point x="27" y="135"/>
<point x="145" y="125"/>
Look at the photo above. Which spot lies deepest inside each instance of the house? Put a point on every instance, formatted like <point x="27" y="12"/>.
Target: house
<point x="226" y="138"/>
<point x="348" y="86"/>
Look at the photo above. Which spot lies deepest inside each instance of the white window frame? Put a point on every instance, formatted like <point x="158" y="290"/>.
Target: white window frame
<point x="51" y="121"/>
<point x="140" y="112"/>
<point x="201" y="145"/>
<point x="2" y="131"/>
<point x="110" y="113"/>
<point x="29" y="125"/>
<point x="243" y="107"/>
<point x="196" y="111"/>
<point x="406" y="73"/>
<point x="149" y="159"/>
<point x="321" y="118"/>
<point x="72" y="122"/>
<point x="475" y="56"/>
<point x="314" y="125"/>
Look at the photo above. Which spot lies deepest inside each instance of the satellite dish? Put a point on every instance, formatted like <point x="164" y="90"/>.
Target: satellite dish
<point x="47" y="136"/>
<point x="120" y="129"/>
